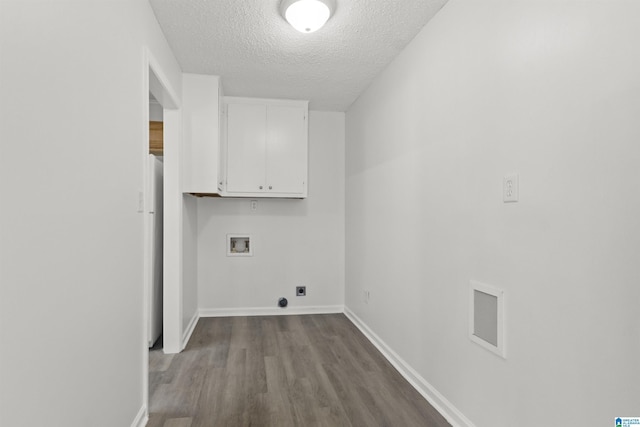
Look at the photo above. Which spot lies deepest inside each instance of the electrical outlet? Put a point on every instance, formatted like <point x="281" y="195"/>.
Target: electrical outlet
<point x="510" y="188"/>
<point x="301" y="291"/>
<point x="254" y="205"/>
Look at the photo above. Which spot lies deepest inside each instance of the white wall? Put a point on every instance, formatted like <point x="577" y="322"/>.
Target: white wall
<point x="72" y="131"/>
<point x="190" y="265"/>
<point x="200" y="110"/>
<point x="296" y="242"/>
<point x="174" y="211"/>
<point x="546" y="89"/>
<point x="155" y="111"/>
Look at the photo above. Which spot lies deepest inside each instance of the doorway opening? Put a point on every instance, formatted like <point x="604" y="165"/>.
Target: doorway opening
<point x="161" y="131"/>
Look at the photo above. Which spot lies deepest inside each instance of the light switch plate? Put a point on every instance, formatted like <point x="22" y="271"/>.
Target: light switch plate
<point x="510" y="188"/>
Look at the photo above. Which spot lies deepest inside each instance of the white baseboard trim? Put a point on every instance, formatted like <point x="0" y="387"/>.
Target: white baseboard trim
<point x="142" y="418"/>
<point x="186" y="336"/>
<point x="437" y="400"/>
<point x="270" y="311"/>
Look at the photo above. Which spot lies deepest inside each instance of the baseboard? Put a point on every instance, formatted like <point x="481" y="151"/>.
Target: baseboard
<point x="437" y="400"/>
<point x="269" y="311"/>
<point x="186" y="336"/>
<point x="141" y="419"/>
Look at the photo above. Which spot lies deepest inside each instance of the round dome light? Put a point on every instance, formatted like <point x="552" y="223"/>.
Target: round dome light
<point x="307" y="16"/>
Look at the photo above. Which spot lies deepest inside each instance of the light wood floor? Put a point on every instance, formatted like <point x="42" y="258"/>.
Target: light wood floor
<point x="281" y="371"/>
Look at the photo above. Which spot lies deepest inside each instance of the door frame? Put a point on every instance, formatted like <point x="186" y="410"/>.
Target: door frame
<point x="155" y="81"/>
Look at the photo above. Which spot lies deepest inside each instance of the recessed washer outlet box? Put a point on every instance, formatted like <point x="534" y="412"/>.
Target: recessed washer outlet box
<point x="239" y="245"/>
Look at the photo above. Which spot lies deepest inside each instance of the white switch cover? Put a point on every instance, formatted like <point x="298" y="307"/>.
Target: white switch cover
<point x="510" y="188"/>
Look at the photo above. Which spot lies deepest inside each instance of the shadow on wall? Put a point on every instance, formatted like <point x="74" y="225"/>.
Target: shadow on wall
<point x="265" y="207"/>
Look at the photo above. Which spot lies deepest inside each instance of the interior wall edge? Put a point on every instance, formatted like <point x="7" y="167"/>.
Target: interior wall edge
<point x="186" y="336"/>
<point x="454" y="416"/>
<point x="141" y="418"/>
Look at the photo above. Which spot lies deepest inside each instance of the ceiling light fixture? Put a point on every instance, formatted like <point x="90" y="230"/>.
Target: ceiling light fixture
<point x="307" y="16"/>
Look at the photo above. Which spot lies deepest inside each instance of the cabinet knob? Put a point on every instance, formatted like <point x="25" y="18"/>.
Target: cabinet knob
<point x="260" y="187"/>
<point x="270" y="187"/>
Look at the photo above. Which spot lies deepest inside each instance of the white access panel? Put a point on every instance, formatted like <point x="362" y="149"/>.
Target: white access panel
<point x="486" y="317"/>
<point x="246" y="148"/>
<point x="286" y="149"/>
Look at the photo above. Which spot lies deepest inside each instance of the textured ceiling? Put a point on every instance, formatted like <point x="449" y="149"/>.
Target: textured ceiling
<point x="258" y="54"/>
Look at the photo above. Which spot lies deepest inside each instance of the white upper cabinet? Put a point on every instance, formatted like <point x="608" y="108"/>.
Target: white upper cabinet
<point x="287" y="153"/>
<point x="201" y="108"/>
<point x="266" y="148"/>
<point x="246" y="147"/>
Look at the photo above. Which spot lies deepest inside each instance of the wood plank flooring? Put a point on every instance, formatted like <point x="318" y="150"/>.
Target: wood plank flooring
<point x="281" y="371"/>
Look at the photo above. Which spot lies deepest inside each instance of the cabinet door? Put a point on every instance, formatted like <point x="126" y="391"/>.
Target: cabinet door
<point x="201" y="133"/>
<point x="246" y="148"/>
<point x="286" y="149"/>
